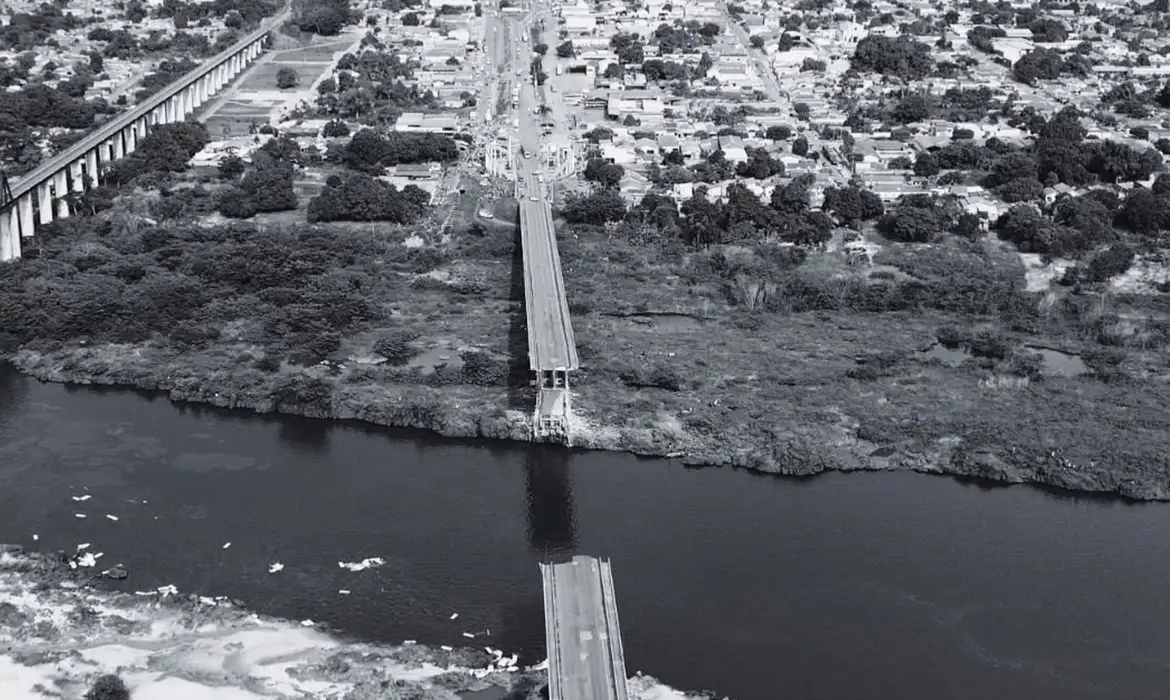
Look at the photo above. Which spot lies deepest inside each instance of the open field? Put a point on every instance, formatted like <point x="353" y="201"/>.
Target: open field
<point x="255" y="97"/>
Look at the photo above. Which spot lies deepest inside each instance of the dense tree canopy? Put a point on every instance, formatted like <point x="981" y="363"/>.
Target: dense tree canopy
<point x="166" y="148"/>
<point x="363" y="198"/>
<point x="324" y="17"/>
<point x="853" y="203"/>
<point x="597" y="207"/>
<point x="901" y="57"/>
<point x="604" y="173"/>
<point x="370" y="152"/>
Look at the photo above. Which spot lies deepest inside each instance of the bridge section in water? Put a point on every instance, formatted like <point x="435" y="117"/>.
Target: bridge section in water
<point x="585" y="656"/>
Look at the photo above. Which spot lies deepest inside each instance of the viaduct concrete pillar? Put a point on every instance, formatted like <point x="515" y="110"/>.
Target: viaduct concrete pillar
<point x="118" y="151"/>
<point x="60" y="189"/>
<point x="76" y="177"/>
<point x="45" y="205"/>
<point x="27" y="222"/>
<point x="9" y="235"/>
<point x="91" y="166"/>
<point x="106" y="152"/>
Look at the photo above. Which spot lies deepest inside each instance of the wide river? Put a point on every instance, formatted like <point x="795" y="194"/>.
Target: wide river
<point x="897" y="586"/>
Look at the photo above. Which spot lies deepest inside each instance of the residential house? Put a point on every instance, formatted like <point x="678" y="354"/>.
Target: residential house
<point x="434" y="123"/>
<point x="639" y="104"/>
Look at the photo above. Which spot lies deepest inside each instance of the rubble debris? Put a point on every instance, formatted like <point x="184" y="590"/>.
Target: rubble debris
<point x="117" y="573"/>
<point x="87" y="560"/>
<point x="369" y="563"/>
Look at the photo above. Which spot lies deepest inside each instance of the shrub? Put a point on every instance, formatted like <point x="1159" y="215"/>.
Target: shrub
<point x="396" y="347"/>
<point x="990" y="345"/>
<point x="234" y="203"/>
<point x="951" y="337"/>
<point x="482" y="369"/>
<point x="108" y="687"/>
<point x="1108" y="263"/>
<point x="188" y="334"/>
<point x="304" y="391"/>
<point x="268" y="363"/>
<point x="1026" y="364"/>
<point x="231" y="166"/>
<point x="1103" y="363"/>
<point x="335" y="128"/>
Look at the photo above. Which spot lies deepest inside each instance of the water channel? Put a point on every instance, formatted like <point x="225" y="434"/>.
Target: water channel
<point x="896" y="586"/>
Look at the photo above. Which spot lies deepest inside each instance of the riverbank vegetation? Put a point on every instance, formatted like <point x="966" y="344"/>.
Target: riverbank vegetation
<point x="764" y="334"/>
<point x="318" y="320"/>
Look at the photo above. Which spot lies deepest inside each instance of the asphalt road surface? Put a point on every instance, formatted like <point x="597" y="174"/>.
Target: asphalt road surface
<point x="550" y="330"/>
<point x="585" y="662"/>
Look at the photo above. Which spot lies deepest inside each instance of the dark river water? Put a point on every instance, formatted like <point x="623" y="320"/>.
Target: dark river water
<point x="873" y="586"/>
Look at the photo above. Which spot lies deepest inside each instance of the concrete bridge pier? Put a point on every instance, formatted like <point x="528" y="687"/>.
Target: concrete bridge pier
<point x="9" y="235"/>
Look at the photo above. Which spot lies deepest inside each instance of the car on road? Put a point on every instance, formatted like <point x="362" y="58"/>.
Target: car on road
<point x="533" y="198"/>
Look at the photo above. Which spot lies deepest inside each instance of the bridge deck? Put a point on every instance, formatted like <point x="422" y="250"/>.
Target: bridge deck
<point x="585" y="656"/>
<point x="550" y="329"/>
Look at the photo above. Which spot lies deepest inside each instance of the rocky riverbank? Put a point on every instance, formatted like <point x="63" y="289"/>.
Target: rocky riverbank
<point x="944" y="420"/>
<point x="60" y="632"/>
